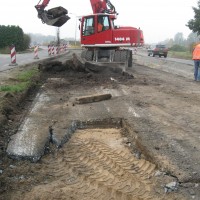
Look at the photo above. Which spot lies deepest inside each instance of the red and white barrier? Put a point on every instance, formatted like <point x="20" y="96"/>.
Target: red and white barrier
<point x="13" y="56"/>
<point x="36" y="52"/>
<point x="61" y="48"/>
<point x="57" y="50"/>
<point x="49" y="50"/>
<point x="52" y="50"/>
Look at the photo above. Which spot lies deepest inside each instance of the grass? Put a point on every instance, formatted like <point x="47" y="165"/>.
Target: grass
<point x="5" y="50"/>
<point x="20" y="87"/>
<point x="184" y="55"/>
<point x="22" y="82"/>
<point x="27" y="75"/>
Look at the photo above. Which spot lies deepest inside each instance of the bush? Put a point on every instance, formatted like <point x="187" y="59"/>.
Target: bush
<point x="5" y="50"/>
<point x="178" y="48"/>
<point x="13" y="35"/>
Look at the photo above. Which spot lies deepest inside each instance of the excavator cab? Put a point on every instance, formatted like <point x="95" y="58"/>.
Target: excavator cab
<point x="54" y="17"/>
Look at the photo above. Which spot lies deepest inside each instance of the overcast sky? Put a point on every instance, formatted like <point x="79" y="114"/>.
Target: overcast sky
<point x="158" y="19"/>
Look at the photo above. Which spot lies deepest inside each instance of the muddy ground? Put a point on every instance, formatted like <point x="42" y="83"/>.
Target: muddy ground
<point x="143" y="143"/>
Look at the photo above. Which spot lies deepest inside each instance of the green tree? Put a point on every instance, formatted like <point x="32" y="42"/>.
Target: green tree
<point x="192" y="38"/>
<point x="179" y="48"/>
<point x="170" y="43"/>
<point x="179" y="39"/>
<point x="27" y="41"/>
<point x="13" y="35"/>
<point x="18" y="37"/>
<point x="194" y="24"/>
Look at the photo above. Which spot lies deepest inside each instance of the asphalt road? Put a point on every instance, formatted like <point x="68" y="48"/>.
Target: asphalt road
<point x="25" y="58"/>
<point x="177" y="60"/>
<point x="21" y="59"/>
<point x="180" y="67"/>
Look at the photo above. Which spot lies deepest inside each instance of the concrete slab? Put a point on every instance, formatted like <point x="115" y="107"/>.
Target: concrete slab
<point x="32" y="137"/>
<point x="93" y="98"/>
<point x="50" y="115"/>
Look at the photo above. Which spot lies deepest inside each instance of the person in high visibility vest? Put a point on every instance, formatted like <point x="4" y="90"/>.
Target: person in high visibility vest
<point x="100" y="27"/>
<point x="100" y="23"/>
<point x="196" y="58"/>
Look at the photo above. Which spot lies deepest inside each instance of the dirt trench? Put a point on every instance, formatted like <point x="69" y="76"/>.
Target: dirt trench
<point x="103" y="160"/>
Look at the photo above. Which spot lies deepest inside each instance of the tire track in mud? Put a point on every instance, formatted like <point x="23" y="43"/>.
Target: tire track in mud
<point x="124" y="178"/>
<point x="97" y="167"/>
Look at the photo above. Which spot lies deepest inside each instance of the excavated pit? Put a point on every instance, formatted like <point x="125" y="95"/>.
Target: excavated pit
<point x="60" y="140"/>
<point x="97" y="163"/>
<point x="98" y="160"/>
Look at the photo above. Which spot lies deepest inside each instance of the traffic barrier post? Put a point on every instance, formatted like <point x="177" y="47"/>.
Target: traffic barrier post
<point x="13" y="56"/>
<point x="52" y="50"/>
<point x="49" y="50"/>
<point x="61" y="48"/>
<point x="36" y="52"/>
<point x="57" y="50"/>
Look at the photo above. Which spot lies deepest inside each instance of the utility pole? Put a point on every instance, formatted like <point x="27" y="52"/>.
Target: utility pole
<point x="58" y="37"/>
<point x="76" y="18"/>
<point x="75" y="31"/>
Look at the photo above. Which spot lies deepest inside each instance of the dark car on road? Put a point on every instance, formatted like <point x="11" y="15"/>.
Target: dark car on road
<point x="158" y="50"/>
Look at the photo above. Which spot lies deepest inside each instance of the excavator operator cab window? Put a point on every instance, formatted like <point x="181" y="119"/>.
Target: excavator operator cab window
<point x="88" y="26"/>
<point x="103" y="23"/>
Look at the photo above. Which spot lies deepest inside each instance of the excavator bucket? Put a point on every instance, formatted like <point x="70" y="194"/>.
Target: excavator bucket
<point x="54" y="17"/>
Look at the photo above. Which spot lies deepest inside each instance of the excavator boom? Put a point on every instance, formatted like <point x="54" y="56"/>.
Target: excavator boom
<point x="58" y="16"/>
<point x="104" y="6"/>
<point x="43" y="4"/>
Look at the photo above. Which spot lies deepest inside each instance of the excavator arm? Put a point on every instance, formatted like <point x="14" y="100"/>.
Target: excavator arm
<point x="58" y="16"/>
<point x="42" y="5"/>
<point x="53" y="17"/>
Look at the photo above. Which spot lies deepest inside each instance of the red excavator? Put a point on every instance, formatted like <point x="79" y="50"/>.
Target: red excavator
<point x="99" y="35"/>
